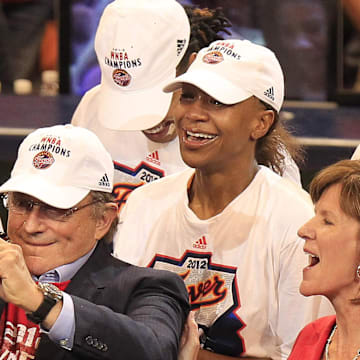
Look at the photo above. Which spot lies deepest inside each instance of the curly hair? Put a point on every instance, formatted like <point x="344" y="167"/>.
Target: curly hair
<point x="205" y="25"/>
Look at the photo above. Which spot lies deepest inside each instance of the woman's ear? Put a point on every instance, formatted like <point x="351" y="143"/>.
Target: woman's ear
<point x="264" y="122"/>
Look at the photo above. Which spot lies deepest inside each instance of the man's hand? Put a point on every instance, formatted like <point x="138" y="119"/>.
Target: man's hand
<point x="17" y="286"/>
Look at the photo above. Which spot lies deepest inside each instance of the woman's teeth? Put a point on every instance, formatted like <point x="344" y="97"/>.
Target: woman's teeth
<point x="200" y="135"/>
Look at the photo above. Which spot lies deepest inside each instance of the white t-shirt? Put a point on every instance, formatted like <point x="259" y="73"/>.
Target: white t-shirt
<point x="137" y="159"/>
<point x="356" y="154"/>
<point x="242" y="267"/>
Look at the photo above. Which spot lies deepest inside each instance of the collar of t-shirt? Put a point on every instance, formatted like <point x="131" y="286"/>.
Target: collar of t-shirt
<point x="64" y="272"/>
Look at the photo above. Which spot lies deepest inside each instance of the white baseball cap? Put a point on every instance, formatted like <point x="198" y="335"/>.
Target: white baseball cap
<point x="59" y="165"/>
<point x="231" y="71"/>
<point x="138" y="44"/>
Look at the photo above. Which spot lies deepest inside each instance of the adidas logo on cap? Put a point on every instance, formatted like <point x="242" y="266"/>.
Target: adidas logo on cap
<point x="270" y="93"/>
<point x="180" y="46"/>
<point x="104" y="181"/>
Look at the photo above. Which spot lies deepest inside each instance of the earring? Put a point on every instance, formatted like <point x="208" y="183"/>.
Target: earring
<point x="358" y="272"/>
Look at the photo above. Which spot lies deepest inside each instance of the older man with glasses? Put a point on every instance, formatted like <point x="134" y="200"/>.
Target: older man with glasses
<point x="62" y="294"/>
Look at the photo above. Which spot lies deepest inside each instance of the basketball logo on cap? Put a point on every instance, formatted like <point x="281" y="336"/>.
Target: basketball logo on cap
<point x="213" y="57"/>
<point x="121" y="77"/>
<point x="43" y="160"/>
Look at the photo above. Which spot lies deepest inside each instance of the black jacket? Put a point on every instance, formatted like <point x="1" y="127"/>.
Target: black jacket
<point x="122" y="312"/>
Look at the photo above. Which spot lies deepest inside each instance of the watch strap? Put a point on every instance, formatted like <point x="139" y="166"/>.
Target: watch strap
<point x="52" y="295"/>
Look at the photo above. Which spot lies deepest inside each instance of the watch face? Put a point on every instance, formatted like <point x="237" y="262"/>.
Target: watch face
<point x="51" y="290"/>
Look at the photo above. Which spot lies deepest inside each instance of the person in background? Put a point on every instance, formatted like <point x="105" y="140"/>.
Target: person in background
<point x="332" y="244"/>
<point x="300" y="38"/>
<point x="84" y="68"/>
<point x="22" y="25"/>
<point x="350" y="43"/>
<point x="228" y="225"/>
<point x="352" y="8"/>
<point x="62" y="294"/>
<point x="142" y="157"/>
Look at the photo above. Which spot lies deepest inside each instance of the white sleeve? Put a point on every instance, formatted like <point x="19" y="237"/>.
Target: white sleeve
<point x="78" y="116"/>
<point x="128" y="245"/>
<point x="86" y="111"/>
<point x="356" y="154"/>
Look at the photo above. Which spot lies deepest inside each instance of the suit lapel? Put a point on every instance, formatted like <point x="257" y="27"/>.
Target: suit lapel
<point x="94" y="275"/>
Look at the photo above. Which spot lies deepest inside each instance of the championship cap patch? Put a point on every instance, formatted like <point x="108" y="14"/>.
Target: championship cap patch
<point x="213" y="57"/>
<point x="43" y="160"/>
<point x="121" y="77"/>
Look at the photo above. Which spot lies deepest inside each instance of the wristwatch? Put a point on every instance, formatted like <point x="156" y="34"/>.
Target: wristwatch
<point x="51" y="296"/>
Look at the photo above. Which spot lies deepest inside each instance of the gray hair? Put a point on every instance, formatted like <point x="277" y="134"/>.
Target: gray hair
<point x="99" y="208"/>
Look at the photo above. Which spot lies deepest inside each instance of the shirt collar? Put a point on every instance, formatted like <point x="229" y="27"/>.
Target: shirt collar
<point x="64" y="272"/>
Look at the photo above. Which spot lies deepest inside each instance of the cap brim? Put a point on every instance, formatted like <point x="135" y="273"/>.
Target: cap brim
<point x="134" y="110"/>
<point x="63" y="197"/>
<point x="211" y="83"/>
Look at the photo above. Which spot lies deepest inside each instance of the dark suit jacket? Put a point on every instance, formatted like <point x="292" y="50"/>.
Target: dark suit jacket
<point x="122" y="312"/>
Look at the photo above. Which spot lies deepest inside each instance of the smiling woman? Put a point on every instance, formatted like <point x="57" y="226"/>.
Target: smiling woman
<point x="227" y="221"/>
<point x="214" y="135"/>
<point x="332" y="237"/>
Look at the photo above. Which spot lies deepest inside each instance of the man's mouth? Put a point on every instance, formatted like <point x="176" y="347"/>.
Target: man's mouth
<point x="159" y="128"/>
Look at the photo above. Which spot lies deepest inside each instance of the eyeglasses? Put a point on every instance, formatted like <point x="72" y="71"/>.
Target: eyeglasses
<point x="23" y="206"/>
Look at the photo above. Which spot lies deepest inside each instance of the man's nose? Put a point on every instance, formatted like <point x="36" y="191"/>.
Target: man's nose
<point x="33" y="220"/>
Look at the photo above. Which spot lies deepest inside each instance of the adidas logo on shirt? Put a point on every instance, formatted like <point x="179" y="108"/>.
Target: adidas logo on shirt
<point x="154" y="158"/>
<point x="201" y="243"/>
<point x="104" y="181"/>
<point x="270" y="93"/>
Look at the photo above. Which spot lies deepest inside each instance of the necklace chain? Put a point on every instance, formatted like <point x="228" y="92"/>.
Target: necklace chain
<point x="328" y="342"/>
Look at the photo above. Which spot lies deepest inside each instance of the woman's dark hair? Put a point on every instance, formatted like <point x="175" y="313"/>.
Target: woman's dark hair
<point x="278" y="144"/>
<point x="205" y="25"/>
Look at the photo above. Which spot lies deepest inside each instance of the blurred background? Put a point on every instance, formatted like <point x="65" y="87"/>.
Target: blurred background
<point x="47" y="62"/>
